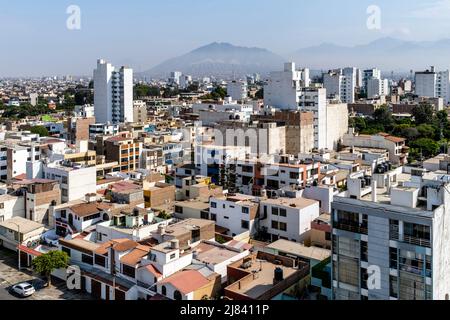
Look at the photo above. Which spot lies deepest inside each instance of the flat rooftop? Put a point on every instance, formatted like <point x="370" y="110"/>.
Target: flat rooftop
<point x="299" y="250"/>
<point x="25" y="225"/>
<point x="299" y="203"/>
<point x="214" y="254"/>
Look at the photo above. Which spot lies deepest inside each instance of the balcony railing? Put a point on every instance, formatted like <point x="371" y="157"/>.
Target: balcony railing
<point x="417" y="241"/>
<point x="351" y="227"/>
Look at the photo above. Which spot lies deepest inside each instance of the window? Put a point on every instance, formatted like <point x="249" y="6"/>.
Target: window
<point x="178" y="209"/>
<point x="363" y="250"/>
<point x="213" y="217"/>
<point x="393" y="258"/>
<point x="64" y="192"/>
<point x="327" y="236"/>
<point x="393" y="286"/>
<point x="177" y="295"/>
<point x="128" y="271"/>
<point x="283" y="226"/>
<point x="2" y="205"/>
<point x="163" y="290"/>
<point x="172" y="256"/>
<point x="245" y="210"/>
<point x="274" y="211"/>
<point x="63" y="214"/>
<point x="87" y="259"/>
<point x="213" y="205"/>
<point x="226" y="218"/>
<point x="282" y="212"/>
<point x="66" y="250"/>
<point x="275" y="225"/>
<point x="244" y="224"/>
<point x="100" y="260"/>
<point x="294" y="175"/>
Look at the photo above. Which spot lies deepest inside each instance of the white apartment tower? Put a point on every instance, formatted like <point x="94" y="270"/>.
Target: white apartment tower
<point x="433" y="84"/>
<point x="341" y="84"/>
<point x="377" y="87"/>
<point x="113" y="93"/>
<point x="370" y="74"/>
<point x="283" y="89"/>
<point x="237" y="90"/>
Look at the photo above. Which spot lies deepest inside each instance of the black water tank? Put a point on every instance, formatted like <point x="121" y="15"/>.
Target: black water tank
<point x="278" y="274"/>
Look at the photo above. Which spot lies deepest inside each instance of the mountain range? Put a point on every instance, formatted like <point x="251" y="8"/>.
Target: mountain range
<point x="220" y="59"/>
<point x="387" y="54"/>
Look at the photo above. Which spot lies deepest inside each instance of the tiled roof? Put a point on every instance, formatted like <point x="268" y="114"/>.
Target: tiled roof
<point x="186" y="281"/>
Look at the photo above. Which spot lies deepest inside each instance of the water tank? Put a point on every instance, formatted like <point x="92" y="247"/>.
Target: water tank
<point x="175" y="244"/>
<point x="278" y="274"/>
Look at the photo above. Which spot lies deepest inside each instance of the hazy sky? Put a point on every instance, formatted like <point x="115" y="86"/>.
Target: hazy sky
<point x="142" y="33"/>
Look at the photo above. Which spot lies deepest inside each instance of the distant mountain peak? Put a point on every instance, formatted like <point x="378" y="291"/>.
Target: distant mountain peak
<point x="221" y="58"/>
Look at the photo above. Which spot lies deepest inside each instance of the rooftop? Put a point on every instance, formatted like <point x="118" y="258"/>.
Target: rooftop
<point x="186" y="281"/>
<point x="299" y="203"/>
<point x="298" y="249"/>
<point x="25" y="225"/>
<point x="210" y="253"/>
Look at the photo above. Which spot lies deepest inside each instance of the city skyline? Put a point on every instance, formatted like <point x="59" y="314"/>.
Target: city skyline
<point x="149" y="38"/>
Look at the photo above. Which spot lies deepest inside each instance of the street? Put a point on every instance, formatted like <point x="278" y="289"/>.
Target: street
<point x="10" y="275"/>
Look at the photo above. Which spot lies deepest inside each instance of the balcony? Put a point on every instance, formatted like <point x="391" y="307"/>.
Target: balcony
<point x="417" y="241"/>
<point x="351" y="227"/>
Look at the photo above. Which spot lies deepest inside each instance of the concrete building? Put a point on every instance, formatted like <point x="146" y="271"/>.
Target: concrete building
<point x="288" y="218"/>
<point x="433" y="84"/>
<point x="103" y="129"/>
<point x="113" y="93"/>
<point x="370" y="74"/>
<point x="124" y="150"/>
<point x="78" y="129"/>
<point x="315" y="101"/>
<point x="341" y="84"/>
<point x="283" y="89"/>
<point x="235" y="213"/>
<point x="377" y="87"/>
<point x="389" y="239"/>
<point x="398" y="151"/>
<point x="17" y="231"/>
<point x="237" y="90"/>
<point x="140" y="111"/>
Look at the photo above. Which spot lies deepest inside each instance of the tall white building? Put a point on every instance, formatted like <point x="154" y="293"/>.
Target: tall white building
<point x="237" y="90"/>
<point x="175" y="77"/>
<point x="433" y="84"/>
<point x="185" y="81"/>
<point x="370" y="74"/>
<point x="113" y="93"/>
<point x="315" y="100"/>
<point x="377" y="87"/>
<point x="283" y="89"/>
<point x="341" y="84"/>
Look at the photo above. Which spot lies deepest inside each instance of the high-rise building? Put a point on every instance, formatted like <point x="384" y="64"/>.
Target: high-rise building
<point x="174" y="78"/>
<point x="237" y="90"/>
<point x="283" y="89"/>
<point x="341" y="84"/>
<point x="377" y="87"/>
<point x="389" y="236"/>
<point x="432" y="84"/>
<point x="370" y="74"/>
<point x="113" y="93"/>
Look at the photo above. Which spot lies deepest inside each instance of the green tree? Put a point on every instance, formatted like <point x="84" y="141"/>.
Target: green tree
<point x="49" y="262"/>
<point x="426" y="131"/>
<point x="40" y="130"/>
<point x="259" y="94"/>
<point x="383" y="116"/>
<point x="427" y="147"/>
<point x="423" y="114"/>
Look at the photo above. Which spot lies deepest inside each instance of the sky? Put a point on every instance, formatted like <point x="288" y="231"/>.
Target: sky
<point x="143" y="33"/>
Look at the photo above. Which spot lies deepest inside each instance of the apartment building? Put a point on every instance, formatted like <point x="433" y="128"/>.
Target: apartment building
<point x="288" y="218"/>
<point x="341" y="84"/>
<point x="390" y="226"/>
<point x="237" y="90"/>
<point x="102" y="129"/>
<point x="124" y="150"/>
<point x="140" y="111"/>
<point x="398" y="151"/>
<point x="237" y="213"/>
<point x="78" y="129"/>
<point x="377" y="88"/>
<point x="14" y="156"/>
<point x="283" y="89"/>
<point x="113" y="98"/>
<point x="433" y="84"/>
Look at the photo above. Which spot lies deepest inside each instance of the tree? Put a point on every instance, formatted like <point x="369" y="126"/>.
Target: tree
<point x="49" y="262"/>
<point x="427" y="147"/>
<point x="423" y="114"/>
<point x="259" y="94"/>
<point x="40" y="130"/>
<point x="383" y="116"/>
<point x="426" y="131"/>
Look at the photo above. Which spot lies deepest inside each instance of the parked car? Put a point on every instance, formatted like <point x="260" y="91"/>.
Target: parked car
<point x="23" y="289"/>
